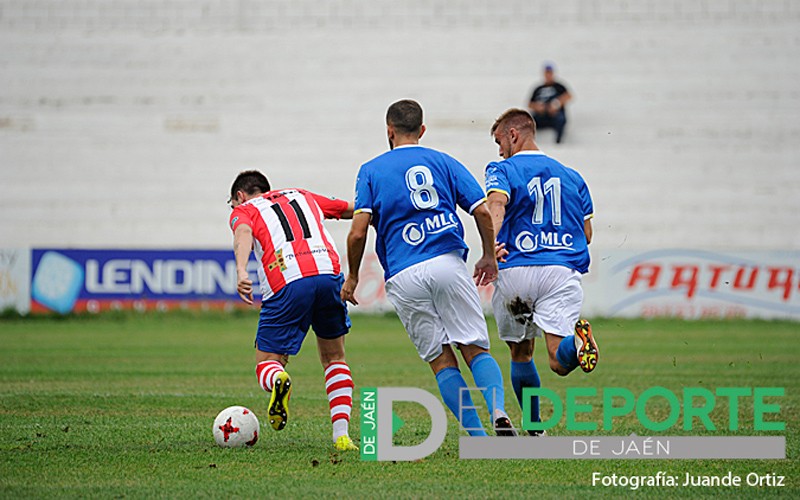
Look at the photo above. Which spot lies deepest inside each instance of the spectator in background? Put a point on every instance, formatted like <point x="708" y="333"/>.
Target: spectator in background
<point x="548" y="102"/>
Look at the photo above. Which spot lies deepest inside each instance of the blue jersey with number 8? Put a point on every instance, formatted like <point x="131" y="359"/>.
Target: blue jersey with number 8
<point x="412" y="193"/>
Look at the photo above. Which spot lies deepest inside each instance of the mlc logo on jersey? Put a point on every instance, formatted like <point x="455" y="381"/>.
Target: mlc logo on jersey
<point x="526" y="242"/>
<point x="529" y="242"/>
<point x="414" y="233"/>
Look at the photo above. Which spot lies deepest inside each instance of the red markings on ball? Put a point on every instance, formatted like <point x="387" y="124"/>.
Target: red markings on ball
<point x="253" y="441"/>
<point x="228" y="429"/>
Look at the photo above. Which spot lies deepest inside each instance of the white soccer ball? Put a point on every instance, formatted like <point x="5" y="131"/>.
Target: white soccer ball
<point x="236" y="426"/>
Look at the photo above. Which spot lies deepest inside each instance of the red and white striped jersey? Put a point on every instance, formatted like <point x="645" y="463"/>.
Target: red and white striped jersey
<point x="289" y="239"/>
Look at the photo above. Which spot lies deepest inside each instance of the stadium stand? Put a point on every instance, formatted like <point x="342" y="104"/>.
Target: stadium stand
<point x="121" y="123"/>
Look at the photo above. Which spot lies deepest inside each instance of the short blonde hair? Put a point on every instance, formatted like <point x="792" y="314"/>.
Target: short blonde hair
<point x="514" y="118"/>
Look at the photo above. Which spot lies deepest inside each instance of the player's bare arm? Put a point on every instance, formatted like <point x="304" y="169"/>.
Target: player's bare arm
<point x="242" y="246"/>
<point x="497" y="201"/>
<point x="356" y="242"/>
<point x="486" y="267"/>
<point x="587" y="229"/>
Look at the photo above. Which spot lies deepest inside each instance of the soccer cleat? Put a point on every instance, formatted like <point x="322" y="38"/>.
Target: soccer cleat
<point x="537" y="433"/>
<point x="585" y="345"/>
<point x="503" y="425"/>
<point x="344" y="443"/>
<point x="279" y="401"/>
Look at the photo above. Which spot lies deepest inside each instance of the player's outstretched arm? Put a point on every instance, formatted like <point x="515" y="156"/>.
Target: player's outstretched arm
<point x="486" y="267"/>
<point x="242" y="245"/>
<point x="356" y="243"/>
<point x="348" y="212"/>
<point x="333" y="208"/>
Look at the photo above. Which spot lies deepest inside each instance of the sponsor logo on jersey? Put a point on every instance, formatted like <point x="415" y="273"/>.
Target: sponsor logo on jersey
<point x="550" y="240"/>
<point x="317" y="250"/>
<point x="414" y="233"/>
<point x="279" y="261"/>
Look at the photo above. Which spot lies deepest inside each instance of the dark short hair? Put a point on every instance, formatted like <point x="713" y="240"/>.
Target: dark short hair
<point x="251" y="182"/>
<point x="514" y="118"/>
<point x="405" y="116"/>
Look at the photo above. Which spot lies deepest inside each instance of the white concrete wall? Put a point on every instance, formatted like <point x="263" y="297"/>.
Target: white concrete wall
<point x="123" y="123"/>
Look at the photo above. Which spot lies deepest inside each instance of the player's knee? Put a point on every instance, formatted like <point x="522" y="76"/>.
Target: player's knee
<point x="470" y="351"/>
<point x="328" y="357"/>
<point x="446" y="359"/>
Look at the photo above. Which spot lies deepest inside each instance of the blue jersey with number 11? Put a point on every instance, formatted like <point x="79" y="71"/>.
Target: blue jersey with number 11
<point x="412" y="193"/>
<point x="548" y="205"/>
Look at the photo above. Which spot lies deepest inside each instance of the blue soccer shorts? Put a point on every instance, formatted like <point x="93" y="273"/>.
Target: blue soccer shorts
<point x="313" y="301"/>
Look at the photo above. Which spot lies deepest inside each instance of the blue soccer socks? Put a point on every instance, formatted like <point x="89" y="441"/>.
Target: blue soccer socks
<point x="567" y="353"/>
<point x="488" y="377"/>
<point x="454" y="392"/>
<point x="524" y="374"/>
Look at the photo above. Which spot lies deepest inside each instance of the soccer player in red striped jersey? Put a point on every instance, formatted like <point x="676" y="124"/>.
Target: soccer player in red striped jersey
<point x="300" y="275"/>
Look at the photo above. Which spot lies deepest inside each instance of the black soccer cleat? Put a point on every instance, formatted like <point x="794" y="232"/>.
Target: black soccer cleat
<point x="504" y="427"/>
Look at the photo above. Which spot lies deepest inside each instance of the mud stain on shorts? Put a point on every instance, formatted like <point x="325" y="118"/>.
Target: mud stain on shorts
<point x="520" y="310"/>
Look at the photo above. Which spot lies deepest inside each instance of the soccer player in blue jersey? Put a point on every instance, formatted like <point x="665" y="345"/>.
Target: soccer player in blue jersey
<point x="409" y="195"/>
<point x="542" y="215"/>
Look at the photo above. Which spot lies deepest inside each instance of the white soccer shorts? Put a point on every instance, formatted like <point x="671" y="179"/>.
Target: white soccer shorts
<point x="530" y="300"/>
<point x="438" y="303"/>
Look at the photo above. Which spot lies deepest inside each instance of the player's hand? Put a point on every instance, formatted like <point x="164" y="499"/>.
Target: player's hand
<point x="348" y="292"/>
<point x="500" y="252"/>
<point x="245" y="288"/>
<point x="485" y="270"/>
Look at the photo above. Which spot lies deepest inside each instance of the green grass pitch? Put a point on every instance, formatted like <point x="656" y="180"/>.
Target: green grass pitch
<point x="122" y="406"/>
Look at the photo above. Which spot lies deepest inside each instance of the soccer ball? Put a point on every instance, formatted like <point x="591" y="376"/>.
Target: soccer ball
<point x="236" y="426"/>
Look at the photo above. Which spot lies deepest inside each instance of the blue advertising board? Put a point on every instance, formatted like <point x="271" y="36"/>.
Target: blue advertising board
<point x="73" y="280"/>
